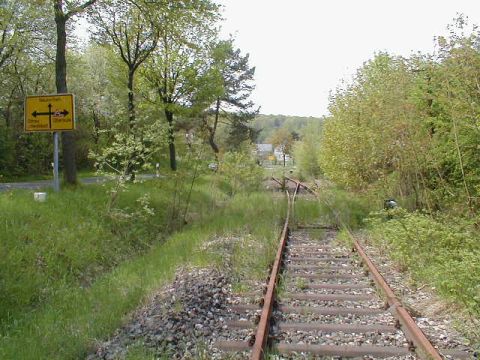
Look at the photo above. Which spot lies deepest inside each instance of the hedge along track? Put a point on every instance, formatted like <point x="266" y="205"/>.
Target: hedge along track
<point x="321" y="303"/>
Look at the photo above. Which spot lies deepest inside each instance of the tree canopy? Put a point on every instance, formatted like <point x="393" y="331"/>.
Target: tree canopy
<point x="409" y="127"/>
<point x="149" y="73"/>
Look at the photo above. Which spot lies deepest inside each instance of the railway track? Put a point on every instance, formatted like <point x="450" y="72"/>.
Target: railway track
<point x="324" y="301"/>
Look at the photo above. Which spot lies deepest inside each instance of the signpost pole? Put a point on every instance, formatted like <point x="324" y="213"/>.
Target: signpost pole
<point x="56" y="183"/>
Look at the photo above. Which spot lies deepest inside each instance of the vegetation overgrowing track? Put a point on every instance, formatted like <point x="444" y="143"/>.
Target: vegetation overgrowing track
<point x="321" y="302"/>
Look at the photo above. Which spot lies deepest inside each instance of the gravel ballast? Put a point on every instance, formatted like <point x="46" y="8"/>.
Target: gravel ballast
<point x="182" y="320"/>
<point x="185" y="319"/>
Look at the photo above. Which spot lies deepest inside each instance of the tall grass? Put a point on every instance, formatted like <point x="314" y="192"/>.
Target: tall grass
<point x="441" y="251"/>
<point x="71" y="273"/>
<point x="69" y="239"/>
<point x="333" y="207"/>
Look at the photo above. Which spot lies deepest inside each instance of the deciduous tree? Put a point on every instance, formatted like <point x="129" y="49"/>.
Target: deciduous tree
<point x="283" y="140"/>
<point x="187" y="30"/>
<point x="129" y="26"/>
<point x="63" y="12"/>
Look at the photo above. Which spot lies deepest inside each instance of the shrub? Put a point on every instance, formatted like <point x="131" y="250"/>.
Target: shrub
<point x="240" y="171"/>
<point x="442" y="251"/>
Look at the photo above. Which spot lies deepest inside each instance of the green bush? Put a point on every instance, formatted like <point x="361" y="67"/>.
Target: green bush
<point x="240" y="171"/>
<point x="306" y="152"/>
<point x="442" y="251"/>
<point x="332" y="207"/>
<point x="342" y="208"/>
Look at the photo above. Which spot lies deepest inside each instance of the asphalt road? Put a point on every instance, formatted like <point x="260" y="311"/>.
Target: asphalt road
<point x="40" y="184"/>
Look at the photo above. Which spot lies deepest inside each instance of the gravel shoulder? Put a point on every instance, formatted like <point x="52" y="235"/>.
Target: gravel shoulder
<point x="181" y="320"/>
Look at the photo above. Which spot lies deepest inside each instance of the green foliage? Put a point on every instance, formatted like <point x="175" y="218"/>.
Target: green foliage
<point x="109" y="75"/>
<point x="343" y="209"/>
<point x="442" y="252"/>
<point x="175" y="71"/>
<point x="266" y="125"/>
<point x="25" y="70"/>
<point x="240" y="171"/>
<point x="306" y="152"/>
<point x="138" y="351"/>
<point x="333" y="207"/>
<point x="363" y="140"/>
<point x="68" y="239"/>
<point x="70" y="273"/>
<point x="408" y="128"/>
<point x="283" y="140"/>
<point x="307" y="211"/>
<point x="226" y="97"/>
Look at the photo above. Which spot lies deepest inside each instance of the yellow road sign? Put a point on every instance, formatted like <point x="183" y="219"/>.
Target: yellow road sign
<point x="50" y="112"/>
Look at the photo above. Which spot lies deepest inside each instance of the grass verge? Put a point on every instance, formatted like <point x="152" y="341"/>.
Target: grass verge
<point x="333" y="207"/>
<point x="85" y="271"/>
<point x="442" y="252"/>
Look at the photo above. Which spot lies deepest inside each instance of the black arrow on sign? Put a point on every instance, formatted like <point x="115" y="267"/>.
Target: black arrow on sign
<point x="36" y="113"/>
<point x="50" y="113"/>
<point x="64" y="113"/>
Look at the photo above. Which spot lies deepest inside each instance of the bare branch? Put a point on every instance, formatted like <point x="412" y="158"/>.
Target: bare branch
<point x="79" y="9"/>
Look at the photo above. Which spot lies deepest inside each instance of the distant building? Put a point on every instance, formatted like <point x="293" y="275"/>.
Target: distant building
<point x="278" y="152"/>
<point x="264" y="150"/>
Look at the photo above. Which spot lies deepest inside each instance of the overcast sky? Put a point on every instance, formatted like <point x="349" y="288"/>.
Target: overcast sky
<point x="303" y="48"/>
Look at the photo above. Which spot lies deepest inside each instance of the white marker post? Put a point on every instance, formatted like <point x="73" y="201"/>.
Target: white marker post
<point x="56" y="181"/>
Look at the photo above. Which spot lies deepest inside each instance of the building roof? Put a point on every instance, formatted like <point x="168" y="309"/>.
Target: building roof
<point x="264" y="147"/>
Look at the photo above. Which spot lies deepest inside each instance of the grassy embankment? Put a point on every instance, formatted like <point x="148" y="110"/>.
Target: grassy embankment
<point x="70" y="271"/>
<point x="440" y="251"/>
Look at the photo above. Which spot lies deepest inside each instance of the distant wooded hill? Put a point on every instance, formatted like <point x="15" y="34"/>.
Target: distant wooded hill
<point x="267" y="124"/>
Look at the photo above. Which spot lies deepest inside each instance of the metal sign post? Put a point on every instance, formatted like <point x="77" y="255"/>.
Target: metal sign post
<point x="56" y="181"/>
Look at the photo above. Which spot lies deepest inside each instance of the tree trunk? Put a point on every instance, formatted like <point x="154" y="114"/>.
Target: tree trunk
<point x="211" y="135"/>
<point x="171" y="140"/>
<point x="211" y="138"/>
<point x="96" y="127"/>
<point x="8" y="114"/>
<point x="68" y="137"/>
<point x="212" y="143"/>
<point x="131" y="104"/>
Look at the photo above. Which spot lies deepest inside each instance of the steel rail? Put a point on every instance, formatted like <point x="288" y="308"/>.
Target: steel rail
<point x="261" y="336"/>
<point x="414" y="334"/>
<point x="277" y="181"/>
<point x="423" y="347"/>
<point x="306" y="187"/>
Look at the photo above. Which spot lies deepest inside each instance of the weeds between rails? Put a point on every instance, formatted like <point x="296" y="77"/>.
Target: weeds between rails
<point x="305" y="300"/>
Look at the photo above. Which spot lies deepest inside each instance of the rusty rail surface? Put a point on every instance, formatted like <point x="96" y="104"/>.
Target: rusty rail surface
<point x="306" y="187"/>
<point x="277" y="181"/>
<point x="417" y="339"/>
<point x="261" y="335"/>
<point x="423" y="347"/>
